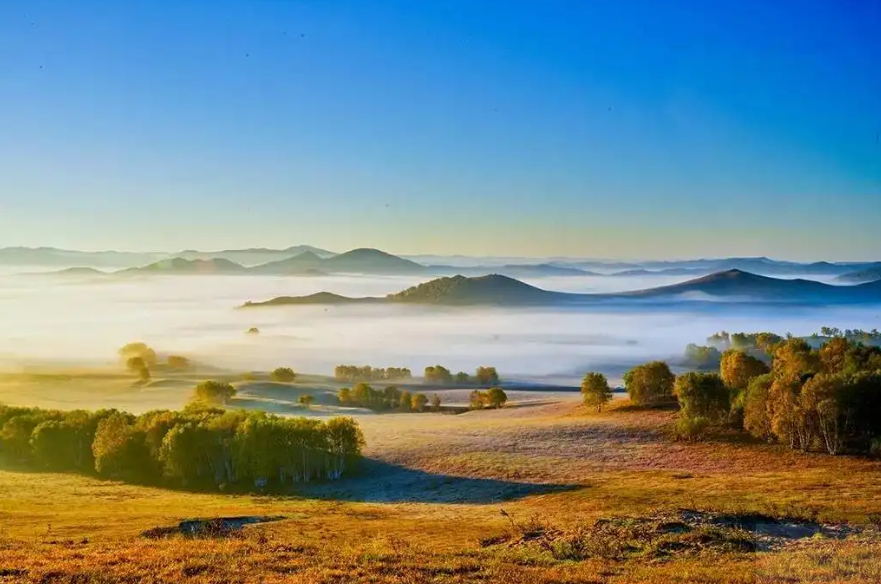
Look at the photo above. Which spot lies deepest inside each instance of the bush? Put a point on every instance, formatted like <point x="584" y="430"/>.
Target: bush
<point x="283" y="375"/>
<point x="650" y="384"/>
<point x="702" y="395"/>
<point x="214" y="392"/>
<point x="178" y="362"/>
<point x="691" y="428"/>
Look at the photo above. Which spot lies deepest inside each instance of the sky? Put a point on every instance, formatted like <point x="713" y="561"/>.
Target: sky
<point x="614" y="129"/>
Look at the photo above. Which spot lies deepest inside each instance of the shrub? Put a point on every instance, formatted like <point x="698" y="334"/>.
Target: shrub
<point x="691" y="428"/>
<point x="702" y="395"/>
<point x="283" y="375"/>
<point x="649" y="384"/>
<point x="214" y="392"/>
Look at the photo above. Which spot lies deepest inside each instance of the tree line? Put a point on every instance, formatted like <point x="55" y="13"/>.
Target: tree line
<point x="778" y="389"/>
<point x="354" y="373"/>
<point x="198" y="446"/>
<point x="438" y="374"/>
<point x="388" y="398"/>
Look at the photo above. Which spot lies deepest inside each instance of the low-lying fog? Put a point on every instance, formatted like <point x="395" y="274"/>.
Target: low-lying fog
<point x="84" y="321"/>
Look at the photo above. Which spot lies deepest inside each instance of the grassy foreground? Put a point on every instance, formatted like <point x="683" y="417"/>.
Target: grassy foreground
<point x="504" y="496"/>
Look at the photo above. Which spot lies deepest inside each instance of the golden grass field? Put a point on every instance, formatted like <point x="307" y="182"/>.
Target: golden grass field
<point x="428" y="508"/>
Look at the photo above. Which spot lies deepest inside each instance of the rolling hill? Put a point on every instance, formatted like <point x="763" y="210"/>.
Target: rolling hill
<point x="185" y="266"/>
<point x="861" y="276"/>
<point x="498" y="290"/>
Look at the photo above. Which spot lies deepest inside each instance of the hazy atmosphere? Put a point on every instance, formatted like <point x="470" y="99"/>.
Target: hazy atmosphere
<point x="440" y="291"/>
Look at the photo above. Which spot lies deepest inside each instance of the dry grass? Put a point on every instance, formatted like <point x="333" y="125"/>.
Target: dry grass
<point x="434" y="491"/>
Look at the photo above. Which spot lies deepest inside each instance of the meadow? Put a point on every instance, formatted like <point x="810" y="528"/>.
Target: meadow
<point x="511" y="495"/>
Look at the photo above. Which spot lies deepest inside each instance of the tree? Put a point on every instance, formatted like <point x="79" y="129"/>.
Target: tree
<point x="438" y="374"/>
<point x="756" y="415"/>
<point x="738" y="369"/>
<point x="405" y="401"/>
<point x="826" y="397"/>
<point x="702" y="357"/>
<point x="306" y="400"/>
<point x="214" y="392"/>
<point x="418" y="402"/>
<point x="138" y="366"/>
<point x="345" y="396"/>
<point x="435" y="402"/>
<point x="53" y="444"/>
<point x="16" y="436"/>
<point x="650" y="383"/>
<point x="118" y="449"/>
<point x="138" y="349"/>
<point x="345" y="441"/>
<point x="595" y="390"/>
<point x="496" y="397"/>
<point x="794" y="358"/>
<point x="178" y="362"/>
<point x="702" y="395"/>
<point x="283" y="375"/>
<point x="462" y="378"/>
<point x="487" y="376"/>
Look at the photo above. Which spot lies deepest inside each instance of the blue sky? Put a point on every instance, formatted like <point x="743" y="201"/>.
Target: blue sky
<point x="602" y="129"/>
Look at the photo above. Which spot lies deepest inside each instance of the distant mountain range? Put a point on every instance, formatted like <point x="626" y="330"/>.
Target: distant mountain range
<point x="861" y="276"/>
<point x="308" y="260"/>
<point x="498" y="290"/>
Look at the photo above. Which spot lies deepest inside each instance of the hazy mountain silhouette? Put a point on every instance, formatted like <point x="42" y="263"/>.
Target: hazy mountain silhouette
<point x="861" y="276"/>
<point x="498" y="290"/>
<point x="256" y="255"/>
<point x="185" y="266"/>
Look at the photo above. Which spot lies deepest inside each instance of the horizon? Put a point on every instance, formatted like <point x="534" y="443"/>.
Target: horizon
<point x="175" y="254"/>
<point x="616" y="130"/>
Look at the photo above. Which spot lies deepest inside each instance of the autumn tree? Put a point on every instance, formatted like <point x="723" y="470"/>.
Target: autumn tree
<point x="487" y="376"/>
<point x="595" y="390"/>
<point x="405" y="401"/>
<point x="306" y="400"/>
<point x="138" y="349"/>
<point x="418" y="401"/>
<point x="738" y="369"/>
<point x="756" y="414"/>
<point x="649" y="384"/>
<point x="435" y="402"/>
<point x="438" y="374"/>
<point x="496" y="397"/>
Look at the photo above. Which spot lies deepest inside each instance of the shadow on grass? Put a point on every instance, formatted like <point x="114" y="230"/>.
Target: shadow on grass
<point x="381" y="482"/>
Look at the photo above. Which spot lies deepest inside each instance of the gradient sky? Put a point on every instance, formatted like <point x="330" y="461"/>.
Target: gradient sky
<point x="599" y="129"/>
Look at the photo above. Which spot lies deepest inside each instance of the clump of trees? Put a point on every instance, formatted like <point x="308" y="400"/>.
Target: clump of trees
<point x="354" y="373"/>
<point x="650" y="384"/>
<point x="178" y="362"/>
<point x="199" y="446"/>
<point x="214" y="392"/>
<point x="388" y="398"/>
<point x="808" y="398"/>
<point x="595" y="390"/>
<point x="854" y="335"/>
<point x="283" y="375"/>
<point x="702" y="357"/>
<point x="438" y="374"/>
<point x="493" y="398"/>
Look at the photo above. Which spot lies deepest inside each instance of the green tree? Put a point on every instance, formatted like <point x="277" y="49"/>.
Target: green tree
<point x="462" y="378"/>
<point x="118" y="449"/>
<point x="306" y="400"/>
<point x="53" y="444"/>
<point x="438" y="374"/>
<point x="283" y="375"/>
<point x="214" y="392"/>
<point x="344" y="395"/>
<point x="702" y="395"/>
<point x="650" y="383"/>
<point x="595" y="391"/>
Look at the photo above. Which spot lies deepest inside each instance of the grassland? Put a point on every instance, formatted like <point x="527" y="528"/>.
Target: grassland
<point x="428" y="507"/>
